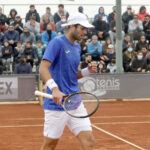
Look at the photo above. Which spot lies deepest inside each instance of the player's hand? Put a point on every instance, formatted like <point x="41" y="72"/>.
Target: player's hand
<point x="92" y="67"/>
<point x="57" y="95"/>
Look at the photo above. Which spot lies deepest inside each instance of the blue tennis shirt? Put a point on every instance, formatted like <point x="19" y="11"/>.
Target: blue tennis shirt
<point x="65" y="59"/>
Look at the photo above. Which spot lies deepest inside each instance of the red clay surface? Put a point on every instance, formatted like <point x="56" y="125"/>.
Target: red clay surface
<point x="21" y="127"/>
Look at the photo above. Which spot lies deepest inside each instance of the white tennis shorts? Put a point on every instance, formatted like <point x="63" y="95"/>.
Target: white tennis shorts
<point x="55" y="122"/>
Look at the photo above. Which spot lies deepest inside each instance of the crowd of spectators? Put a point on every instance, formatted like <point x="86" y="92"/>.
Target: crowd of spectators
<point x="22" y="44"/>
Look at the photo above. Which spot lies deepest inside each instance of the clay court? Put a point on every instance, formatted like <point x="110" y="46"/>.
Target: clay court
<point x="116" y="126"/>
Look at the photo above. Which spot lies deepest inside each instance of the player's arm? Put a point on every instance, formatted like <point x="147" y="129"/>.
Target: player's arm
<point x="47" y="78"/>
<point x="92" y="68"/>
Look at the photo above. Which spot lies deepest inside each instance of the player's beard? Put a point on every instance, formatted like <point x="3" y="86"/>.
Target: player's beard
<point x="75" y="35"/>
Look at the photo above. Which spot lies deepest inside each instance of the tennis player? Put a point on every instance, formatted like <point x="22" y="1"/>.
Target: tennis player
<point x="59" y="69"/>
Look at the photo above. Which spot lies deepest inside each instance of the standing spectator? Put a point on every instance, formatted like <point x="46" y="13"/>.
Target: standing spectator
<point x="59" y="13"/>
<point x="105" y="46"/>
<point x="48" y="35"/>
<point x="12" y="36"/>
<point x="3" y="20"/>
<point x="101" y="28"/>
<point x="101" y="13"/>
<point x="23" y="67"/>
<point x="142" y="43"/>
<point x="88" y="59"/>
<point x="11" y="16"/>
<point x="126" y="17"/>
<point x="34" y="27"/>
<point x="81" y="10"/>
<point x="44" y="23"/>
<point x="112" y="15"/>
<point x="94" y="48"/>
<point x="48" y="14"/>
<point x="127" y="42"/>
<point x="59" y="28"/>
<point x="142" y="13"/>
<point x="27" y="36"/>
<point x="18" y="25"/>
<point x="32" y="13"/>
<point x="146" y="25"/>
<point x="139" y="63"/>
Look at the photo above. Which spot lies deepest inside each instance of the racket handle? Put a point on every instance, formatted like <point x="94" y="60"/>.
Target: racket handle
<point x="39" y="93"/>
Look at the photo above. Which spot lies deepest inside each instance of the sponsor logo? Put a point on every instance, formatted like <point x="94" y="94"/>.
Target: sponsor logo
<point x="67" y="51"/>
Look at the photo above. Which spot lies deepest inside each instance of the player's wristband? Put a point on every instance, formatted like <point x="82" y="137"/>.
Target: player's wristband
<point x="85" y="72"/>
<point x="51" y="84"/>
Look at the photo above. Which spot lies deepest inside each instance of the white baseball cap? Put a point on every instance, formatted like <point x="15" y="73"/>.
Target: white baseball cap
<point x="78" y="18"/>
<point x="110" y="46"/>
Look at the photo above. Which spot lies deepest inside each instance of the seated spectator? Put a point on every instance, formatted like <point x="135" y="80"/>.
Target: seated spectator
<point x="59" y="13"/>
<point x="139" y="63"/>
<point x="44" y="24"/>
<point x="48" y="14"/>
<point x="126" y="17"/>
<point x="32" y="13"/>
<point x="128" y="56"/>
<point x="59" y="28"/>
<point x="105" y="45"/>
<point x="3" y="20"/>
<point x="18" y="25"/>
<point x="127" y="42"/>
<point x="88" y="59"/>
<point x="18" y="51"/>
<point x="112" y="31"/>
<point x="40" y="49"/>
<point x="142" y="13"/>
<point x="23" y="67"/>
<point x="27" y="36"/>
<point x="101" y="13"/>
<point x="6" y="55"/>
<point x="112" y="67"/>
<point x="11" y="16"/>
<point x="12" y="36"/>
<point x="112" y="15"/>
<point x="48" y="35"/>
<point x="31" y="54"/>
<point x="102" y="67"/>
<point x="142" y="43"/>
<point x="94" y="48"/>
<point x="34" y="27"/>
<point x="1" y="67"/>
<point x="101" y="28"/>
<point x="146" y="25"/>
<point x="135" y="28"/>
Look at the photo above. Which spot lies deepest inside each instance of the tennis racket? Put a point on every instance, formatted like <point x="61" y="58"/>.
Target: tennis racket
<point x="74" y="104"/>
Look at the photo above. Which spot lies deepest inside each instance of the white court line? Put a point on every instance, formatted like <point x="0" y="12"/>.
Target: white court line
<point x="111" y="123"/>
<point x="117" y="137"/>
<point x="22" y="126"/>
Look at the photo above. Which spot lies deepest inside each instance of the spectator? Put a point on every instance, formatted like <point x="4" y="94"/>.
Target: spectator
<point x="31" y="54"/>
<point x="6" y="55"/>
<point x="59" y="13"/>
<point x="1" y="67"/>
<point x="101" y="28"/>
<point x="88" y="59"/>
<point x="101" y="67"/>
<point x="48" y="35"/>
<point x="48" y="14"/>
<point x="81" y="10"/>
<point x="112" y="31"/>
<point x="94" y="48"/>
<point x="44" y="24"/>
<point x="142" y="13"/>
<point x="142" y="43"/>
<point x="3" y="20"/>
<point x="23" y="67"/>
<point x="146" y="25"/>
<point x="139" y="63"/>
<point x="11" y="16"/>
<point x="105" y="46"/>
<point x="32" y="13"/>
<point x="112" y="15"/>
<point x="101" y="13"/>
<point x="40" y="49"/>
<point x="12" y="36"/>
<point x="18" y="25"/>
<point x="135" y="28"/>
<point x="128" y="56"/>
<point x="1" y="39"/>
<point x="27" y="36"/>
<point x="59" y="28"/>
<point x="34" y="27"/>
<point x="126" y="17"/>
<point x="127" y="42"/>
<point x="112" y="67"/>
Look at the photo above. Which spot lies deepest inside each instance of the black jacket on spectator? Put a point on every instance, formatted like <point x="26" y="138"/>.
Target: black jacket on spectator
<point x="11" y="17"/>
<point x="20" y="28"/>
<point x="3" y="19"/>
<point x="140" y="44"/>
<point x="111" y="17"/>
<point x="33" y="14"/>
<point x="146" y="27"/>
<point x="4" y="49"/>
<point x="57" y="16"/>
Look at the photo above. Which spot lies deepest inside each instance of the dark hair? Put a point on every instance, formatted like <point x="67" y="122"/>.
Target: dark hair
<point x="61" y="5"/>
<point x="48" y="8"/>
<point x="32" y="6"/>
<point x="87" y="54"/>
